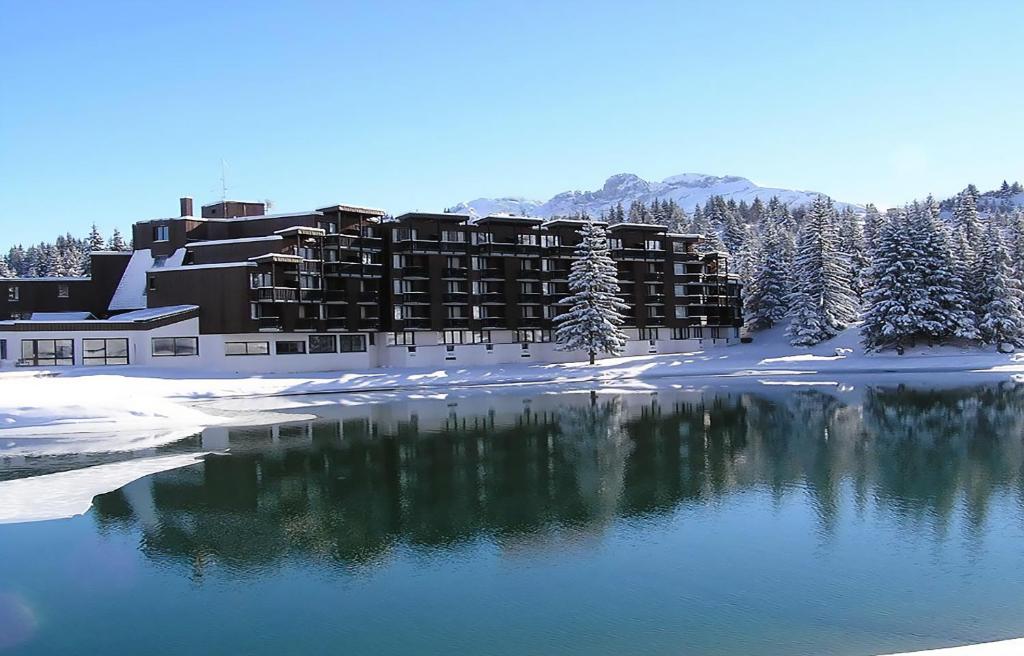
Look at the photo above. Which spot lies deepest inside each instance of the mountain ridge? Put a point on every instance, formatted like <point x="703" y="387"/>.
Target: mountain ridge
<point x="687" y="189"/>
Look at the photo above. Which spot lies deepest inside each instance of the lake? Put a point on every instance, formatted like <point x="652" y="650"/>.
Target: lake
<point x="719" y="518"/>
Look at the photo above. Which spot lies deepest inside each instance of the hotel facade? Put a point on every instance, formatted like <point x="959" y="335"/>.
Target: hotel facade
<point x="345" y="287"/>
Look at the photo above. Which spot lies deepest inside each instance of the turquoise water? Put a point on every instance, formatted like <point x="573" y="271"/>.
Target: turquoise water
<point x="832" y="519"/>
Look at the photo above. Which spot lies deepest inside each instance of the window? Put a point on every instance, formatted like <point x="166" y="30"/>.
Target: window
<point x="323" y="344"/>
<point x="327" y="226"/>
<point x="680" y="312"/>
<point x="13" y="293"/>
<point x="402" y="338"/>
<point x="526" y="240"/>
<point x="648" y="333"/>
<point x="453" y="236"/>
<point x="264" y="279"/>
<point x="526" y="336"/>
<point x="161" y="233"/>
<point x="550" y="241"/>
<point x="152" y="283"/>
<point x="679" y="268"/>
<point x="405" y="234"/>
<point x="352" y="343"/>
<point x="104" y="351"/>
<point x="3" y="349"/>
<point x="175" y="346"/>
<point x="454" y="262"/>
<point x="652" y="244"/>
<point x="451" y="337"/>
<point x="289" y="347"/>
<point x="309" y="282"/>
<point x="482" y="237"/>
<point x="63" y="291"/>
<point x="489" y="348"/>
<point x="614" y="243"/>
<point x="246" y="348"/>
<point x="47" y="352"/>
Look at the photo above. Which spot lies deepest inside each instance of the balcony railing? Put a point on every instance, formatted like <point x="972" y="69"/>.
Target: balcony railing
<point x="455" y="272"/>
<point x="311" y="295"/>
<point x="531" y="322"/>
<point x="493" y="322"/>
<point x="455" y="297"/>
<point x="531" y="299"/>
<point x="277" y="294"/>
<point x="412" y="272"/>
<point x="456" y="322"/>
<point x="494" y="274"/>
<point x="269" y="323"/>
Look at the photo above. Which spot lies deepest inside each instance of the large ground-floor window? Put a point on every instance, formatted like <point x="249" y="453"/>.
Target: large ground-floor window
<point x="47" y="352"/>
<point x="246" y="348"/>
<point x="104" y="351"/>
<point x="352" y="343"/>
<point x="175" y="346"/>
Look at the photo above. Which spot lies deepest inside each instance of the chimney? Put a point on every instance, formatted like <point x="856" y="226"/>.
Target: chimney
<point x="186" y="205"/>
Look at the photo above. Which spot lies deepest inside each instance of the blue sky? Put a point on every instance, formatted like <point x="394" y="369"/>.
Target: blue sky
<point x="113" y="110"/>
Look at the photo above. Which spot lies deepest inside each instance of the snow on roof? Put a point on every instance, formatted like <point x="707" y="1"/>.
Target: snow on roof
<point x="276" y="257"/>
<point x="103" y="252"/>
<point x="149" y="314"/>
<point x="228" y="200"/>
<point x="684" y="235"/>
<point x="300" y="230"/>
<point x="60" y="316"/>
<point x="571" y="222"/>
<point x="455" y="217"/>
<point x="637" y="226"/>
<point x="352" y="208"/>
<point x="240" y="240"/>
<point x="498" y="218"/>
<point x="131" y="291"/>
<point x="51" y="279"/>
<point x="193" y="267"/>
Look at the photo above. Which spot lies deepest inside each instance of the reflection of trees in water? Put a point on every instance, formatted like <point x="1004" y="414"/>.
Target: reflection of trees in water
<point x="348" y="491"/>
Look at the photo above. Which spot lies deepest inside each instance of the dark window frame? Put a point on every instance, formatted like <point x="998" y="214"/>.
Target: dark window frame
<point x="298" y="344"/>
<point x="175" y="341"/>
<point x="331" y="339"/>
<point x="250" y="348"/>
<point x="55" y="361"/>
<point x="105" y="360"/>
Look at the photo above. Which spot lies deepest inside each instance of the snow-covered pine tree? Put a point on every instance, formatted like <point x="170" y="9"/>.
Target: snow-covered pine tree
<point x="6" y="270"/>
<point x="593" y="322"/>
<point x="823" y="302"/>
<point x="1001" y="321"/>
<point x="95" y="240"/>
<point x="764" y="299"/>
<point x="945" y="310"/>
<point x="872" y="226"/>
<point x="968" y="233"/>
<point x="117" y="242"/>
<point x="893" y="296"/>
<point x="1015" y="244"/>
<point x="851" y="244"/>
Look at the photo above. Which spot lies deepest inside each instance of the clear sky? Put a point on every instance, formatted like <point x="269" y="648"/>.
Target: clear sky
<point x="112" y="110"/>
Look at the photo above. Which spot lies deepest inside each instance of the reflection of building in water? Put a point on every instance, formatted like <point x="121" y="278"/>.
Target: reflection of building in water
<point x="531" y="472"/>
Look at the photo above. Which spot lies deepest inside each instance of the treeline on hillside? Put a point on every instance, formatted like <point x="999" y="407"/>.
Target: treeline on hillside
<point x="65" y="256"/>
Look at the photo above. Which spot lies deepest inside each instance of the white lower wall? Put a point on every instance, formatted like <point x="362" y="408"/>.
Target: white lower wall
<point x="427" y="352"/>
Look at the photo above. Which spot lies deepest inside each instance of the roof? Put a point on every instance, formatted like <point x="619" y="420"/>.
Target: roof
<point x="148" y="314"/>
<point x="276" y="257"/>
<point x="240" y="240"/>
<point x="571" y="222"/>
<point x="301" y="230"/>
<point x="60" y="316"/>
<point x="507" y="218"/>
<point x="436" y="216"/>
<point x="193" y="267"/>
<point x="50" y="279"/>
<point x="638" y="226"/>
<point x="356" y="209"/>
<point x="228" y="200"/>
<point x="131" y="290"/>
<point x="684" y="235"/>
<point x="101" y="252"/>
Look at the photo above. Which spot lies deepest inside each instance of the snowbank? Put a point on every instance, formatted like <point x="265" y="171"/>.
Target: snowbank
<point x="1002" y="648"/>
<point x="70" y="493"/>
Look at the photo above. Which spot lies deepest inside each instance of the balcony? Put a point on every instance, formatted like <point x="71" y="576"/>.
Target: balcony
<point x="305" y="323"/>
<point x="492" y="274"/>
<point x="369" y="323"/>
<point x="416" y="297"/>
<point x="355" y="269"/>
<point x="455" y="272"/>
<point x="269" y="323"/>
<point x="416" y="323"/>
<point x="277" y="294"/>
<point x="412" y="272"/>
<point x="455" y="298"/>
<point x="453" y="323"/>
<point x="492" y="298"/>
<point x="530" y="274"/>
<point x="311" y="295"/>
<point x="531" y="299"/>
<point x="493" y="322"/>
<point x="557" y="274"/>
<point x="531" y="322"/>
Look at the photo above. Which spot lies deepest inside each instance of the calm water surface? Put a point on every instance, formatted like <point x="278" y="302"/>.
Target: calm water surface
<point x="833" y="519"/>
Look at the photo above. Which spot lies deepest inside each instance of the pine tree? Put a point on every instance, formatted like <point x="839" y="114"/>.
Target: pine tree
<point x="593" y="322"/>
<point x="823" y="303"/>
<point x="95" y="240"/>
<point x="765" y="295"/>
<point x="872" y="226"/>
<point x="117" y="242"/>
<point x="1001" y="320"/>
<point x="893" y="297"/>
<point x="6" y="270"/>
<point x="945" y="310"/>
<point x="851" y="244"/>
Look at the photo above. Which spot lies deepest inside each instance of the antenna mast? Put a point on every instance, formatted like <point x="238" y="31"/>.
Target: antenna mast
<point x="223" y="180"/>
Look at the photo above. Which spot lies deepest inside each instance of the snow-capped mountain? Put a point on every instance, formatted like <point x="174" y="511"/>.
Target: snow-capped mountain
<point x="688" y="190"/>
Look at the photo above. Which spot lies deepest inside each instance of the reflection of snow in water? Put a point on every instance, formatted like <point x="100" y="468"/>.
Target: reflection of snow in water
<point x="17" y="621"/>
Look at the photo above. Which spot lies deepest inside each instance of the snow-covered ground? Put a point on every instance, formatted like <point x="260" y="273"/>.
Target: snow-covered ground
<point x="1001" y="648"/>
<point x="151" y="406"/>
